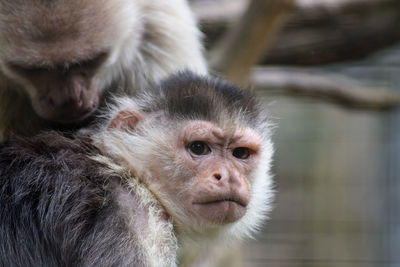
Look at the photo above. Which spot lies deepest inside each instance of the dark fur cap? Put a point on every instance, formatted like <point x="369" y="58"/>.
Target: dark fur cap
<point x="189" y="96"/>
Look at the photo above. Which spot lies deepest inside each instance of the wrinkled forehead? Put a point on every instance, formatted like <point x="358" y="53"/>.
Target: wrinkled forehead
<point x="56" y="29"/>
<point x="225" y="132"/>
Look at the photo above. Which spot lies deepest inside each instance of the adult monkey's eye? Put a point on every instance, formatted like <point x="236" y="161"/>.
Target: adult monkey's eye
<point x="199" y="148"/>
<point x="241" y="152"/>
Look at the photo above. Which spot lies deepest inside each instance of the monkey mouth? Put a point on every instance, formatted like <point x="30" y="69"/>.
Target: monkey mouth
<point x="79" y="114"/>
<point x="65" y="114"/>
<point x="221" y="209"/>
<point x="235" y="200"/>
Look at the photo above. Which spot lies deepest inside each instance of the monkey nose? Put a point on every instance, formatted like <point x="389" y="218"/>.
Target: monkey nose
<point x="72" y="103"/>
<point x="79" y="102"/>
<point x="225" y="177"/>
<point x="217" y="176"/>
<point x="75" y="99"/>
<point x="220" y="174"/>
<point x="65" y="100"/>
<point x="75" y="107"/>
<point x="70" y="109"/>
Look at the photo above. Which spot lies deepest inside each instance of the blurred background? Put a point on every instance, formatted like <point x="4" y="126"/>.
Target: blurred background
<point x="329" y="72"/>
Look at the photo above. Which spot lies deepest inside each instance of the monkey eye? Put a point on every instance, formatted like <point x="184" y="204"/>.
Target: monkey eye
<point x="241" y="152"/>
<point x="199" y="148"/>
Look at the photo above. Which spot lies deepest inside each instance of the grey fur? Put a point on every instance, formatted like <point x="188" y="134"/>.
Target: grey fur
<point x="57" y="209"/>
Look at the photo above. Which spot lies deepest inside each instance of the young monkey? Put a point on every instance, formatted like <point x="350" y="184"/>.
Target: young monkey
<point x="185" y="163"/>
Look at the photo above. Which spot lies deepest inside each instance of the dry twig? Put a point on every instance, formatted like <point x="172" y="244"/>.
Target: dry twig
<point x="318" y="84"/>
<point x="244" y="43"/>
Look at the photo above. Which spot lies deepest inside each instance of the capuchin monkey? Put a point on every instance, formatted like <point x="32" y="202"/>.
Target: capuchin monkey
<point x="183" y="165"/>
<point x="61" y="59"/>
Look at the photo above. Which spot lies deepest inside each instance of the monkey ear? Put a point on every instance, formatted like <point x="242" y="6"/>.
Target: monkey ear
<point x="125" y="119"/>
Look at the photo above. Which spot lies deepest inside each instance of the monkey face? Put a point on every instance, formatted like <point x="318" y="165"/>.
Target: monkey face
<point x="208" y="179"/>
<point x="58" y="51"/>
<point x="222" y="160"/>
<point x="64" y="93"/>
<point x="203" y="149"/>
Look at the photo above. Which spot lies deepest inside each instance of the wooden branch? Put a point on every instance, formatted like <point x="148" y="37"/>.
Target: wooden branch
<point x="324" y="35"/>
<point x="244" y="43"/>
<point x="225" y="11"/>
<point x="332" y="87"/>
<point x="314" y="34"/>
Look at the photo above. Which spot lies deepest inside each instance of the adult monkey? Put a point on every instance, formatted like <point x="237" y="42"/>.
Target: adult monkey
<point x="185" y="164"/>
<point x="60" y="59"/>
